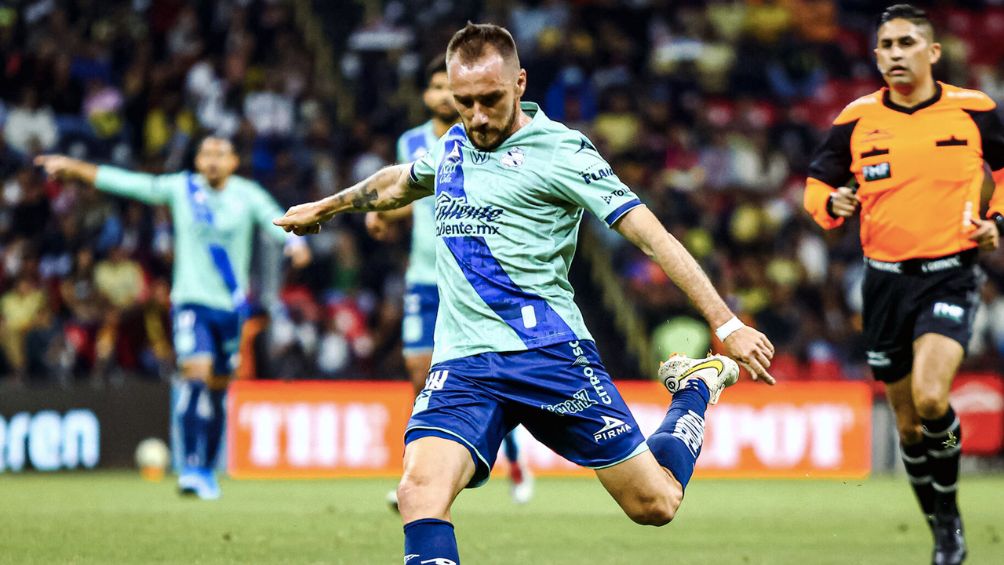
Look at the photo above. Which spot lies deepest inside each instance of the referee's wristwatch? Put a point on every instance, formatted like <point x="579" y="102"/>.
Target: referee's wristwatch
<point x="999" y="222"/>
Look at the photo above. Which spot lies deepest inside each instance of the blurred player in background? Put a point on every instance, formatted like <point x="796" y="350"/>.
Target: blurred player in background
<point x="214" y="214"/>
<point x="917" y="150"/>
<point x="421" y="299"/>
<point x="511" y="347"/>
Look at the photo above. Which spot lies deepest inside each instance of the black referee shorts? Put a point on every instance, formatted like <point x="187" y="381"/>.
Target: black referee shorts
<point x="905" y="300"/>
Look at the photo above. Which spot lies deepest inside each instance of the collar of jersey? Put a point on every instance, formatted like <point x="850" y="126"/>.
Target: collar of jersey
<point x="887" y="101"/>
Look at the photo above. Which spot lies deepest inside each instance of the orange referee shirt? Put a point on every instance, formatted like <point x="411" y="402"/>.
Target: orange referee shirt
<point x="919" y="171"/>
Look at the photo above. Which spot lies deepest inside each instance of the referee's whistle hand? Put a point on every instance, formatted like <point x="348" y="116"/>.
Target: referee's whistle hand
<point x="985" y="235"/>
<point x="844" y="202"/>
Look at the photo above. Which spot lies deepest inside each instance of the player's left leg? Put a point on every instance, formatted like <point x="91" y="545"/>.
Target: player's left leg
<point x="650" y="487"/>
<point x="936" y="359"/>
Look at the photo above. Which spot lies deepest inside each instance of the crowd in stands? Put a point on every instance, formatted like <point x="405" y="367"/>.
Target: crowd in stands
<point x="709" y="110"/>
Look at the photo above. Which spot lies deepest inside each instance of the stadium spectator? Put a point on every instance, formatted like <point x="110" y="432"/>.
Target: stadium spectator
<point x="693" y="70"/>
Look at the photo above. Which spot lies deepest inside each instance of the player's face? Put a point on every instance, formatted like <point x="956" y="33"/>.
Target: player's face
<point x="487" y="92"/>
<point x="438" y="98"/>
<point x="216" y="159"/>
<point x="905" y="53"/>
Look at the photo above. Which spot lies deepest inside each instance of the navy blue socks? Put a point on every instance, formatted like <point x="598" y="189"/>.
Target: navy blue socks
<point x="677" y="442"/>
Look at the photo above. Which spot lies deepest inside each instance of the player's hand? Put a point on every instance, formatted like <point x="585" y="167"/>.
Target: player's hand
<point x="299" y="255"/>
<point x="844" y="202"/>
<point x="377" y="226"/>
<point x="57" y="166"/>
<point x="986" y="234"/>
<point x="752" y="350"/>
<point x="302" y="219"/>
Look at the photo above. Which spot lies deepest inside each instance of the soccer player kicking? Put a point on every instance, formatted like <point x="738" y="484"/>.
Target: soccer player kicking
<point x="510" y="187"/>
<point x="421" y="299"/>
<point x="214" y="214"/>
<point x="917" y="150"/>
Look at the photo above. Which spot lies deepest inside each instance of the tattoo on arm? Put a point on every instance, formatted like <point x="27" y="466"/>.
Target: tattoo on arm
<point x="364" y="197"/>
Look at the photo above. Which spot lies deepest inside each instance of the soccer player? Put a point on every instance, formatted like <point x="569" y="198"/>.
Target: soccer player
<point x="214" y="214"/>
<point x="917" y="150"/>
<point x="421" y="299"/>
<point x="510" y="345"/>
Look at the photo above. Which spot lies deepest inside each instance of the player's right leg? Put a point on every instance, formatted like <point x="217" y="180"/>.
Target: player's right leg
<point x="435" y="471"/>
<point x="194" y="347"/>
<point x="454" y="433"/>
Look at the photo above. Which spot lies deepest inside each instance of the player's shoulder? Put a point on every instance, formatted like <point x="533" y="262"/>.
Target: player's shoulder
<point x="860" y="107"/>
<point x="568" y="142"/>
<point x="967" y="98"/>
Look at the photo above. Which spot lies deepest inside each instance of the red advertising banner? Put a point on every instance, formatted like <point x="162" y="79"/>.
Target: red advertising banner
<point x="335" y="429"/>
<point x="978" y="398"/>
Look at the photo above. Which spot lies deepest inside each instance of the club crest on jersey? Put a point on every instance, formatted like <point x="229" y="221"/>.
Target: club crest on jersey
<point x="875" y="172"/>
<point x="514" y="158"/>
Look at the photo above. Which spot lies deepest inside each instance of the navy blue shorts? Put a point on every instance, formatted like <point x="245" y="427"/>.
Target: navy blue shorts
<point x="899" y="308"/>
<point x="560" y="393"/>
<point x="421" y="303"/>
<point x="201" y="332"/>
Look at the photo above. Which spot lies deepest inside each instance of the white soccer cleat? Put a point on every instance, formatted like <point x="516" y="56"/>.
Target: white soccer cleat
<point x="520" y="482"/>
<point x="717" y="371"/>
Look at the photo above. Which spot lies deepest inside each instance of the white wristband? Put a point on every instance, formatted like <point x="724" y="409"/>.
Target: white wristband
<point x="729" y="328"/>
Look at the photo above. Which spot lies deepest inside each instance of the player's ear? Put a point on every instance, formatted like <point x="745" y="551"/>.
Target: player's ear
<point x="521" y="83"/>
<point x="935" y="53"/>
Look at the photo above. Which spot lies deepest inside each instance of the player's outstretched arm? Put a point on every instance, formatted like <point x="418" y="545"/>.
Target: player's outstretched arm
<point x="140" y="186"/>
<point x="65" y="168"/>
<point x="386" y="189"/>
<point x="744" y="344"/>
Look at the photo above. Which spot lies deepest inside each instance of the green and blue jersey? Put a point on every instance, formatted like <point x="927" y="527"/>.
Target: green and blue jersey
<point x="412" y="146"/>
<point x="233" y="212"/>
<point x="506" y="226"/>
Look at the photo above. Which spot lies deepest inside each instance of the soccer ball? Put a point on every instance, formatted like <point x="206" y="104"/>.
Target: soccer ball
<point x="152" y="458"/>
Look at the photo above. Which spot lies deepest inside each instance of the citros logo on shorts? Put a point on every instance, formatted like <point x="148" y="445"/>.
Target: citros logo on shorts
<point x="589" y="373"/>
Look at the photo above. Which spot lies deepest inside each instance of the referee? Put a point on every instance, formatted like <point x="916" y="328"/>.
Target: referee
<point x="917" y="150"/>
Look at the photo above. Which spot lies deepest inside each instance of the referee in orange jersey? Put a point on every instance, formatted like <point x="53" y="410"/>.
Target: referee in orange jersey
<point x="917" y="149"/>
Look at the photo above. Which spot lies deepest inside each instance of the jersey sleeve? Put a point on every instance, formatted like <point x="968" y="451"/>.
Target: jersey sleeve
<point x="582" y="177"/>
<point x="146" y="188"/>
<point x="423" y="171"/>
<point x="992" y="136"/>
<point x="830" y="169"/>
<point x="264" y="208"/>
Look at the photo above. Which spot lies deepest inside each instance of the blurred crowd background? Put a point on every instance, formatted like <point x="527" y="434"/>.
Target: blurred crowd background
<point x="709" y="110"/>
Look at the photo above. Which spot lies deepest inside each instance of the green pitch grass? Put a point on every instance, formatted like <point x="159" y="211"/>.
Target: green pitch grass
<point x="119" y="518"/>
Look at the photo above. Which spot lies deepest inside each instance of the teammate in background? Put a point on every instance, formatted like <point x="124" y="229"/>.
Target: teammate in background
<point x="917" y="150"/>
<point x="421" y="299"/>
<point x="214" y="213"/>
<point x="511" y="347"/>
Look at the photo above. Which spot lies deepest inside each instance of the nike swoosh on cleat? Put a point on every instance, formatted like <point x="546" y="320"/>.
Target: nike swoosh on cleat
<point x="709" y="364"/>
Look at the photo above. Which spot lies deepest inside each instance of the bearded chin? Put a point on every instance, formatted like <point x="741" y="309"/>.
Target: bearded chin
<point x="506" y="131"/>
